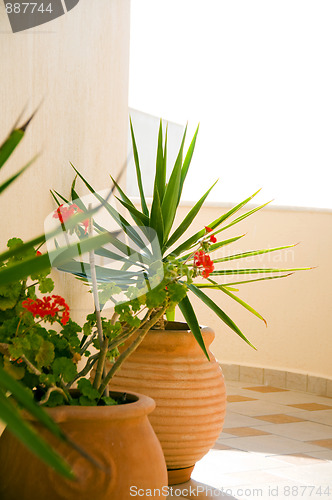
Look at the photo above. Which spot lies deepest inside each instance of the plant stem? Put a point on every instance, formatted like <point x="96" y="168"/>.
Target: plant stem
<point x="89" y="364"/>
<point x="49" y="392"/>
<point x="53" y="387"/>
<point x="32" y="367"/>
<point x="120" y="339"/>
<point x="100" y="371"/>
<point x="117" y="365"/>
<point x="87" y="344"/>
<point x="103" y="343"/>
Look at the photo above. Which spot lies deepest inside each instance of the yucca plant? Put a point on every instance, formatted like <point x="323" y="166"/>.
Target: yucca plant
<point x="183" y="268"/>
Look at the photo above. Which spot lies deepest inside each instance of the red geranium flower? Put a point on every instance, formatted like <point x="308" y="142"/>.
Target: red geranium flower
<point x="213" y="239"/>
<point x="201" y="259"/>
<point x="49" y="307"/>
<point x="64" y="213"/>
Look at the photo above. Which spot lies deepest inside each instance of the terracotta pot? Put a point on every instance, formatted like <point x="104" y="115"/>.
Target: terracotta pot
<point x="189" y="391"/>
<point x="119" y="437"/>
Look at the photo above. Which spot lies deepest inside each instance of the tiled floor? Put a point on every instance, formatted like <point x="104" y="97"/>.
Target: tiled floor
<point x="276" y="443"/>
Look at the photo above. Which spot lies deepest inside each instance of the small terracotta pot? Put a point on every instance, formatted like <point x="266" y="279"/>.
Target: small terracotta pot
<point x="189" y="391"/>
<point x="118" y="437"/>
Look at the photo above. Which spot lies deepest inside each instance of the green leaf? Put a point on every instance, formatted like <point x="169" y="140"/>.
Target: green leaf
<point x="46" y="285"/>
<point x="7" y="183"/>
<point x="240" y="301"/>
<point x="189" y="315"/>
<point x="65" y="368"/>
<point x="14" y="138"/>
<point x="55" y="198"/>
<point x="24" y="398"/>
<point x="171" y="199"/>
<point x="8" y="146"/>
<point x="215" y="246"/>
<point x="157" y="221"/>
<point x="73" y="193"/>
<point x="85" y="401"/>
<point x="45" y="355"/>
<point x="213" y="225"/>
<point x="257" y="271"/>
<point x="62" y="197"/>
<point x="160" y="177"/>
<point x="250" y="253"/>
<point x="41" y="263"/>
<point x="84" y="385"/>
<point x="187" y="161"/>
<point x="137" y="216"/>
<point x="219" y="312"/>
<point x="22" y="250"/>
<point x="121" y="221"/>
<point x="23" y="431"/>
<point x="138" y="172"/>
<point x="109" y="401"/>
<point x="242" y="217"/>
<point x="235" y="283"/>
<point x="10" y="293"/>
<point x="187" y="220"/>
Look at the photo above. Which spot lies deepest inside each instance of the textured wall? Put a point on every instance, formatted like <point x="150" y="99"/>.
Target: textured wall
<point x="77" y="66"/>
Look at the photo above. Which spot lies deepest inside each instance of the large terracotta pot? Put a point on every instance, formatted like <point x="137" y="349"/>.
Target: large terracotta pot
<point x="189" y="391"/>
<point x="119" y="437"/>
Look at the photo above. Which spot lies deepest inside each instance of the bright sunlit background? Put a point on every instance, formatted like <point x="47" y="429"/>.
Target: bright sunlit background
<point x="257" y="75"/>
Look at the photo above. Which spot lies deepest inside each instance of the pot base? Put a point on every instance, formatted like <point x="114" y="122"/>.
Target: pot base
<point x="178" y="476"/>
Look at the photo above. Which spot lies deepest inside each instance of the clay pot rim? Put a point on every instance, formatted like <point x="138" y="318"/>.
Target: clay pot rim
<point x="139" y="406"/>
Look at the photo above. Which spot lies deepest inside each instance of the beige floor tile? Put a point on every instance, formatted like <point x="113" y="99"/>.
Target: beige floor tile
<point x="311" y="406"/>
<point x="323" y="455"/>
<point x="236" y="479"/>
<point x="228" y="461"/>
<point x="196" y="489"/>
<point x="319" y="474"/>
<point x="325" y="443"/>
<point x="221" y="446"/>
<point x="244" y="431"/>
<point x="320" y="416"/>
<point x="265" y="388"/>
<point x="279" y="419"/>
<point x="234" y="383"/>
<point x="225" y="434"/>
<point x="271" y="445"/>
<point x="285" y="397"/>
<point x="302" y="431"/>
<point x="254" y="408"/>
<point x="296" y="440"/>
<point x="236" y="420"/>
<point x="237" y="399"/>
<point x="298" y="459"/>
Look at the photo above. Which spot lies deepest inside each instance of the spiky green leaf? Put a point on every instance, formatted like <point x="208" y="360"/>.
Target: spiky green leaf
<point x="189" y="315"/>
